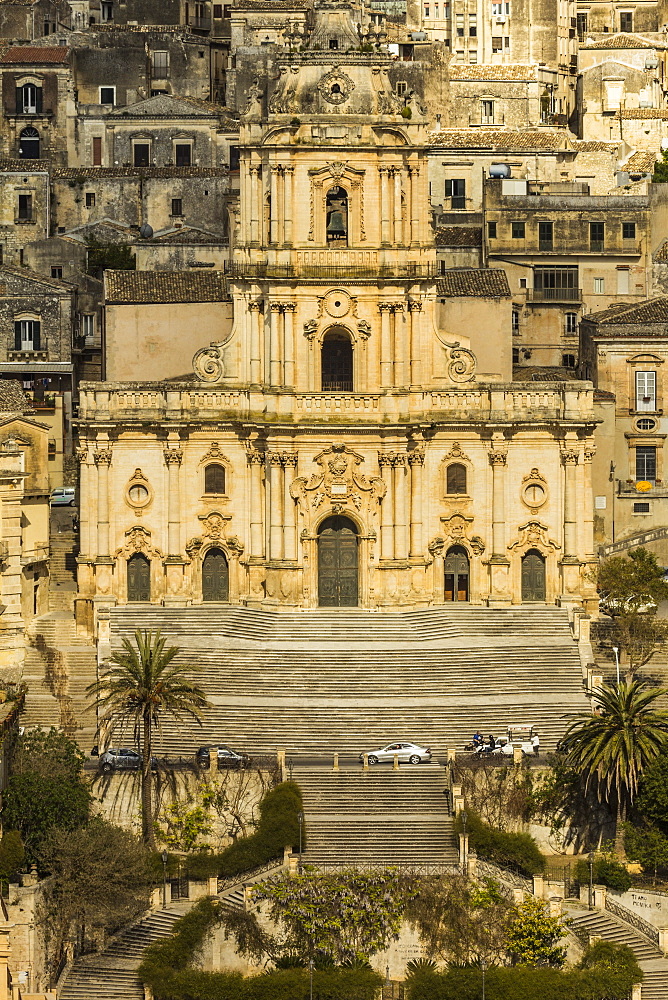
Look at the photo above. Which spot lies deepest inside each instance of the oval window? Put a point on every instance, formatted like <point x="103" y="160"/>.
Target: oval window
<point x="138" y="494"/>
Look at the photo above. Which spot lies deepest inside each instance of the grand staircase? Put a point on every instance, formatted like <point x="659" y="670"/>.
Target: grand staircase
<point x="604" y="925"/>
<point x="349" y="679"/>
<point x="380" y="816"/>
<point x="112" y="974"/>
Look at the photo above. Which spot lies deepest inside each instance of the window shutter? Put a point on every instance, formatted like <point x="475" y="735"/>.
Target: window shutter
<point x="19" y="100"/>
<point x="35" y="335"/>
<point x="38" y="100"/>
<point x="97" y="151"/>
<point x="448" y="189"/>
<point x="17" y="336"/>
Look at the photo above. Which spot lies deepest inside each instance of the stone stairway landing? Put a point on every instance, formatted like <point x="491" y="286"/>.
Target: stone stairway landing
<point x="602" y="924"/>
<point x="380" y="816"/>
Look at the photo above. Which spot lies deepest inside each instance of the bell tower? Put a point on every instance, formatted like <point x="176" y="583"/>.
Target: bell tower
<point x="333" y="274"/>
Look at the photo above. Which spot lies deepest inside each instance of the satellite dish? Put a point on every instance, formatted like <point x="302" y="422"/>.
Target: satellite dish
<point x="146" y="231"/>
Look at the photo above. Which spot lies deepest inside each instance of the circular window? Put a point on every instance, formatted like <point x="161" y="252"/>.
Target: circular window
<point x="138" y="494"/>
<point x="645" y="424"/>
<point x="337" y="303"/>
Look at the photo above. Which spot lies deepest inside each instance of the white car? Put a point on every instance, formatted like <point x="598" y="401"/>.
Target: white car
<point x="407" y="753"/>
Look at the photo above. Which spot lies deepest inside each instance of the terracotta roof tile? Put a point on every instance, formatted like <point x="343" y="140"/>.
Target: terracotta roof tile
<point x="472" y="281"/>
<point x="595" y="146"/>
<point x="624" y="40"/>
<point x="540" y="373"/>
<point x="127" y="287"/>
<point x="92" y="173"/>
<point x="189" y="235"/>
<point x="502" y="140"/>
<point x="35" y="54"/>
<point x="25" y="272"/>
<point x="641" y="162"/>
<point x="626" y="313"/>
<point x="138" y="28"/>
<point x="642" y="113"/>
<point x="482" y="71"/>
<point x="25" y="166"/>
<point x="458" y="236"/>
<point x="12" y="397"/>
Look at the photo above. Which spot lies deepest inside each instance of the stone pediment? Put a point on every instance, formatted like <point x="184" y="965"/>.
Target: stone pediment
<point x="164" y="106"/>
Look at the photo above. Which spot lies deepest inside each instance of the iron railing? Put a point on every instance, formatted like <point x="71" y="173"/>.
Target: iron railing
<point x="273" y="867"/>
<point x="643" y="927"/>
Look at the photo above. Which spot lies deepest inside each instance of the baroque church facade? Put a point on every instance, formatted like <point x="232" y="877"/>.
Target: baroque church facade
<point x="334" y="446"/>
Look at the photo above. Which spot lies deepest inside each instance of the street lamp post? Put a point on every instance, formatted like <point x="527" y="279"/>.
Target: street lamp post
<point x="465" y="852"/>
<point x="483" y="966"/>
<point x="164" y="858"/>
<point x="300" y="817"/>
<point x="591" y="880"/>
<point x="310" y="978"/>
<point x="615" y="650"/>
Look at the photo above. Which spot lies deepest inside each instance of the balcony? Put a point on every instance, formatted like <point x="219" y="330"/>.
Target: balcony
<point x="332" y="271"/>
<point x="554" y="294"/>
<point x="200" y="23"/>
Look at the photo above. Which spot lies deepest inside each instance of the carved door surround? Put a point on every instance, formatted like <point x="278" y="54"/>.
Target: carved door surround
<point x="214" y="535"/>
<point x="457" y="534"/>
<point x="338" y="488"/>
<point x="533" y="537"/>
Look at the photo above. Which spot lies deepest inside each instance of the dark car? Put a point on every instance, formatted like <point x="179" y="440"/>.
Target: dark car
<point x="122" y="759"/>
<point x="226" y="757"/>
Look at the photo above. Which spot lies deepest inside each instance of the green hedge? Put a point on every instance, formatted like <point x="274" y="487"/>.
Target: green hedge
<point x="166" y="969"/>
<point x="607" y="871"/>
<point x="515" y="850"/>
<point x="520" y="983"/>
<point x="278" y="828"/>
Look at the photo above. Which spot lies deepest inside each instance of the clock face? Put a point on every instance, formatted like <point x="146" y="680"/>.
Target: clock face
<point x="138" y="494"/>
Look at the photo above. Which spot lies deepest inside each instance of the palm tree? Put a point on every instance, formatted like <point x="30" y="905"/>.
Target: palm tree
<point x="142" y="684"/>
<point x="611" y="749"/>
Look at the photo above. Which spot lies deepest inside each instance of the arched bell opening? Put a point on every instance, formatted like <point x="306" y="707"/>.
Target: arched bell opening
<point x="457" y="574"/>
<point x="338" y="563"/>
<point x="337" y="217"/>
<point x="337" y="362"/>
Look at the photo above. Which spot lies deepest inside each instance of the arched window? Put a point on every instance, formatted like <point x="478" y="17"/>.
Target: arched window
<point x="27" y="335"/>
<point x="337" y="362"/>
<point x="28" y="99"/>
<point x="337" y="216"/>
<point x="456" y="478"/>
<point x="214" y="479"/>
<point x="29" y="144"/>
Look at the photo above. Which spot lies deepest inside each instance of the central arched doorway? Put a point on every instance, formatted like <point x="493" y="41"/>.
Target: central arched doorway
<point x="337" y="563"/>
<point x="533" y="576"/>
<point x="215" y="576"/>
<point x="139" y="578"/>
<point x="456" y="567"/>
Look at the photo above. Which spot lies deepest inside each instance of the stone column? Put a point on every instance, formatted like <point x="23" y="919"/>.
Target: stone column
<point x="415" y="310"/>
<point x="384" y="205"/>
<point x="400" y="508"/>
<point x="256" y="461"/>
<point x="255" y="203"/>
<point x="386" y="508"/>
<point x="416" y="463"/>
<point x="246" y="205"/>
<point x="274" y="213"/>
<point x="255" y="341"/>
<point x="289" y="508"/>
<point x="570" y="459"/>
<point x="102" y="461"/>
<point x="173" y="459"/>
<point x="385" y="345"/>
<point x="588" y="496"/>
<point x="415" y="204"/>
<point x="398" y="222"/>
<point x="275" y="505"/>
<point x="84" y="503"/>
<point x="400" y="347"/>
<point x="288" y="344"/>
<point x="498" y="463"/>
<point x="288" y="175"/>
<point x="275" y="344"/>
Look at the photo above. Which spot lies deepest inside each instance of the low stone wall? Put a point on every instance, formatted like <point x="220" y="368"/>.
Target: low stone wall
<point x="651" y="905"/>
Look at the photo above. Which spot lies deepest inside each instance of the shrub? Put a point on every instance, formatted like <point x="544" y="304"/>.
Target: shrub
<point x="406" y="112"/>
<point x="278" y="828"/>
<point x="515" y="850"/>
<point x="607" y="871"/>
<point x="521" y="983"/>
<point x="12" y="856"/>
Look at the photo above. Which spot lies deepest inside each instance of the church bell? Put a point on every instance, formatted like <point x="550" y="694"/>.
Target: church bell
<point x="335" y="225"/>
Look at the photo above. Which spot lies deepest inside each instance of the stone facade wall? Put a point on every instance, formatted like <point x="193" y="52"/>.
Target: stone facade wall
<point x="17" y="234"/>
<point x="54" y="307"/>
